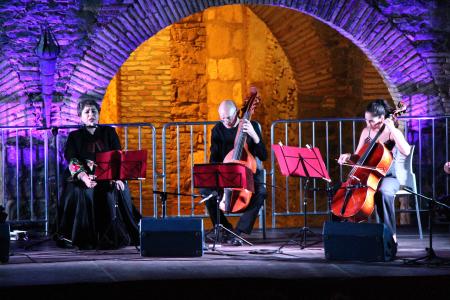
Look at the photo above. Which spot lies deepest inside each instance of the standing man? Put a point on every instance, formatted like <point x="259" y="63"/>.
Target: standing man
<point x="222" y="141"/>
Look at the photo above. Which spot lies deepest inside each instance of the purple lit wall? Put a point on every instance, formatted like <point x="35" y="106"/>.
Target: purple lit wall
<point x="407" y="41"/>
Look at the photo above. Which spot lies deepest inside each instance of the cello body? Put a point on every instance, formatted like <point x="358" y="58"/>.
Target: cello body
<point x="355" y="198"/>
<point x="237" y="200"/>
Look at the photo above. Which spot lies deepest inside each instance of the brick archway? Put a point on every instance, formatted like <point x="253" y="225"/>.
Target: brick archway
<point x="398" y="62"/>
<point x="13" y="95"/>
<point x="10" y="84"/>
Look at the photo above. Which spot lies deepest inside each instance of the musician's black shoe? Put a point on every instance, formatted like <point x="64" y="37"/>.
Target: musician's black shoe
<point x="394" y="251"/>
<point x="225" y="237"/>
<point x="236" y="242"/>
<point x="64" y="243"/>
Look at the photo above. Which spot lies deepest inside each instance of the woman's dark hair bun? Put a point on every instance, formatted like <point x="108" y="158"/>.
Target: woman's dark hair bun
<point x="379" y="107"/>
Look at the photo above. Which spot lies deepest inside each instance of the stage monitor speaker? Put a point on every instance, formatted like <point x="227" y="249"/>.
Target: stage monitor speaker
<point x="358" y="241"/>
<point x="4" y="242"/>
<point x="171" y="237"/>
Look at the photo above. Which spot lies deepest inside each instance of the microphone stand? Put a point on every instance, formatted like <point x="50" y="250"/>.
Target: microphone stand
<point x="218" y="226"/>
<point x="430" y="258"/>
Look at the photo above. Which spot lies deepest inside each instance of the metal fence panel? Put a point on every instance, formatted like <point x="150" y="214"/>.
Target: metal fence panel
<point x="336" y="136"/>
<point x="31" y="165"/>
<point x="24" y="174"/>
<point x="183" y="145"/>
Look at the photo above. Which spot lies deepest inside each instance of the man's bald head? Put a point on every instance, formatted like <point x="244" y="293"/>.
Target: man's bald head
<point x="228" y="113"/>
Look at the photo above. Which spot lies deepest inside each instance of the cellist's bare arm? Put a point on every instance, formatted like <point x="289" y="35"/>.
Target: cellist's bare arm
<point x="399" y="138"/>
<point x="345" y="157"/>
<point x="362" y="138"/>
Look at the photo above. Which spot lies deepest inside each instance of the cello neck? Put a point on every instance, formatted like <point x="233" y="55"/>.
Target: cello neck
<point x="363" y="157"/>
<point x="371" y="145"/>
<point x="241" y="139"/>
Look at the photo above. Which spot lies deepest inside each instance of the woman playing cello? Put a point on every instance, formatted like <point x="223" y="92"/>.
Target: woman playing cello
<point x="377" y="113"/>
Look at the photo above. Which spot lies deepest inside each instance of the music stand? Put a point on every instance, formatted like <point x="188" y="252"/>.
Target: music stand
<point x="305" y="163"/>
<point x="119" y="165"/>
<point x="220" y="176"/>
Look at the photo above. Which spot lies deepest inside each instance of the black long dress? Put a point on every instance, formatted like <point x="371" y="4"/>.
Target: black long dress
<point x="89" y="217"/>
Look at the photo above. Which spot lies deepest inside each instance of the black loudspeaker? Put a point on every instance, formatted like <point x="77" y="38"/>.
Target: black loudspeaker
<point x="172" y="237"/>
<point x="358" y="241"/>
<point x="4" y="242"/>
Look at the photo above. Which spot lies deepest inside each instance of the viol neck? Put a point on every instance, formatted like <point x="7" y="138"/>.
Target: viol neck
<point x="241" y="138"/>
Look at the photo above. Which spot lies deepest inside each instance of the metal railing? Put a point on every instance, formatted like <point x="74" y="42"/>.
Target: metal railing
<point x="29" y="156"/>
<point x="31" y="165"/>
<point x="21" y="147"/>
<point x="189" y="144"/>
<point x="204" y="126"/>
<point x="337" y="136"/>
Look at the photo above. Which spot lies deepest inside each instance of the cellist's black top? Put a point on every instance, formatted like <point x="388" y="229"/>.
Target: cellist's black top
<point x="222" y="142"/>
<point x="390" y="144"/>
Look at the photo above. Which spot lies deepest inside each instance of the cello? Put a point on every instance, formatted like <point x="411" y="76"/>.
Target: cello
<point x="354" y="200"/>
<point x="236" y="200"/>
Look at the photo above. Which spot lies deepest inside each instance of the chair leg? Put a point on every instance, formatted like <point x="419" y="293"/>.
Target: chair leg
<point x="377" y="217"/>
<point x="419" y="222"/>
<point x="264" y="219"/>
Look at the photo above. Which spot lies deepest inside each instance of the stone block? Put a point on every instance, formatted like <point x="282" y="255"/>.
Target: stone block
<point x="209" y="14"/>
<point x="212" y="70"/>
<point x="230" y="13"/>
<point x="238" y="42"/>
<point x="237" y="93"/>
<point x="218" y="47"/>
<point x="229" y="68"/>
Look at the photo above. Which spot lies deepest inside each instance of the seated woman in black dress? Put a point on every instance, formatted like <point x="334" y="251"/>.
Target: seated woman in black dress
<point x="94" y="214"/>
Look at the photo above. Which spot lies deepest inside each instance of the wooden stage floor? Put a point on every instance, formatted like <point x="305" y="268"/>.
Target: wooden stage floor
<point x="45" y="271"/>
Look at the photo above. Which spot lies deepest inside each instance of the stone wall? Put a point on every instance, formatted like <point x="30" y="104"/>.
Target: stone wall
<point x="405" y="40"/>
<point x="189" y="100"/>
<point x="216" y="55"/>
<point x="188" y="68"/>
<point x="142" y="91"/>
<point x="72" y="22"/>
<point x="426" y="24"/>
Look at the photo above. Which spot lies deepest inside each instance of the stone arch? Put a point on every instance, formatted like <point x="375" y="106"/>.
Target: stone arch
<point x="14" y="109"/>
<point x="310" y="58"/>
<point x="325" y="63"/>
<point x="403" y="69"/>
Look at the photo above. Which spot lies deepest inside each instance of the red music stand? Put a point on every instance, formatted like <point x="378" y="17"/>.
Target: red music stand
<point x="121" y="165"/>
<point x="220" y="176"/>
<point x="305" y="163"/>
<point x="301" y="162"/>
<point x="223" y="175"/>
